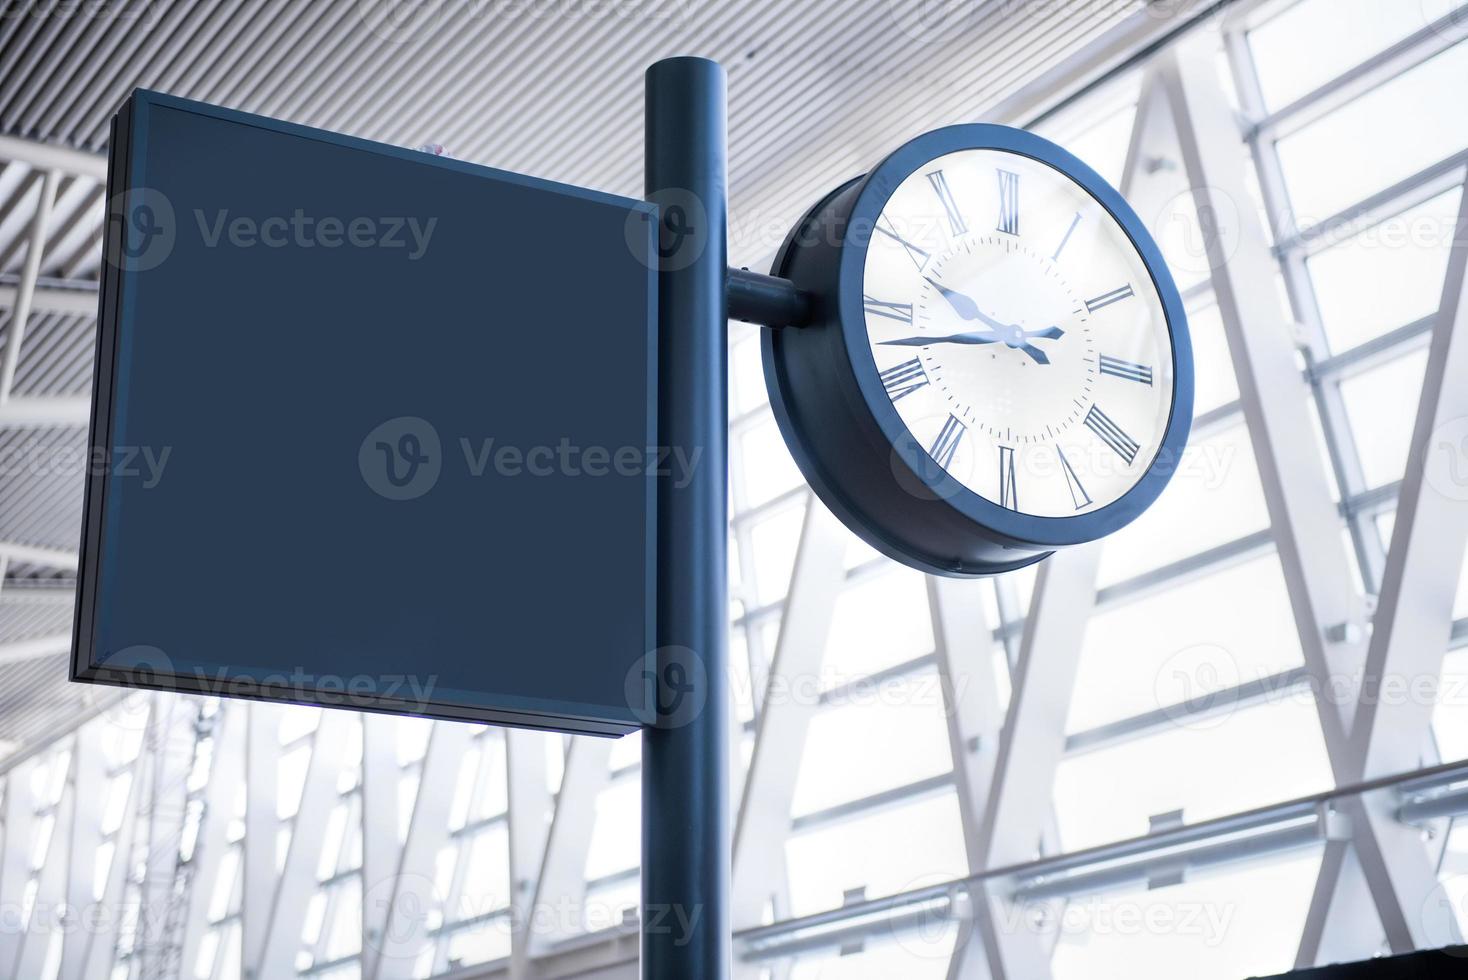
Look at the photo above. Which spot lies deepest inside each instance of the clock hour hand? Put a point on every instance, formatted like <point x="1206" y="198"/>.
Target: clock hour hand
<point x="964" y="306"/>
<point x="1036" y="353"/>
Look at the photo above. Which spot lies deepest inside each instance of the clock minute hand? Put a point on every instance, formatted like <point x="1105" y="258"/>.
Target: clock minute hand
<point x="1016" y="338"/>
<point x="970" y="337"/>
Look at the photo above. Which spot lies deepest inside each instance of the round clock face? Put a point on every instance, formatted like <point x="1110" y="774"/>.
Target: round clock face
<point x="1018" y="333"/>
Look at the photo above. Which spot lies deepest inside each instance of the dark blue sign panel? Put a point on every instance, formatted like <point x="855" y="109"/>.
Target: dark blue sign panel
<point x="372" y="429"/>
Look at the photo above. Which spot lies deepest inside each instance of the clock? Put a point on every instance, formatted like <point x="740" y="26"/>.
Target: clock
<point x="997" y="364"/>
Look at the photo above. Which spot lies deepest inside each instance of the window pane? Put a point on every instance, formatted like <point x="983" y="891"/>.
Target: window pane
<point x="1209" y="768"/>
<point x="876" y="738"/>
<point x="1217" y="478"/>
<point x="1213" y="368"/>
<point x="616" y="841"/>
<point x="480" y="944"/>
<point x="827" y="863"/>
<point x="1450" y="716"/>
<point x="920" y="955"/>
<point x="1382" y="407"/>
<point x="765" y="463"/>
<point x="1183" y="645"/>
<point x="746" y="374"/>
<point x="1243" y="922"/>
<point x="1386" y="277"/>
<point x="1386" y="135"/>
<point x="1338" y="35"/>
<point x="879" y="622"/>
<point x="774" y="541"/>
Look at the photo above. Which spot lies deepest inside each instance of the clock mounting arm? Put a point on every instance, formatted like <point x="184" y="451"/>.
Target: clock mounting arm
<point x="767" y="300"/>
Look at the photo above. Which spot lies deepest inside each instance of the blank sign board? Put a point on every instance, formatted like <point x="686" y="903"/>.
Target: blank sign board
<point x="372" y="429"/>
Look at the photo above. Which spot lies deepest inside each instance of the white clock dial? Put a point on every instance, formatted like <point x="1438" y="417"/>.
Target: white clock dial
<point x="1018" y="333"/>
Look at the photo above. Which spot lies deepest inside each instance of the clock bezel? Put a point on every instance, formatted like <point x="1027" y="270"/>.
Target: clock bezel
<point x="876" y="190"/>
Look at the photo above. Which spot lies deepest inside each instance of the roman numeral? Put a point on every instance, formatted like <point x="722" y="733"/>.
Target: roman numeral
<point x="918" y="256"/>
<point x="1008" y="487"/>
<point x="901" y="312"/>
<point x="904" y="379"/>
<point x="940" y="187"/>
<point x="1110" y="433"/>
<point x="946" y="445"/>
<point x="1066" y="238"/>
<point x="1078" y="495"/>
<point x="1106" y="299"/>
<point x="1008" y="202"/>
<point x="1118" y="368"/>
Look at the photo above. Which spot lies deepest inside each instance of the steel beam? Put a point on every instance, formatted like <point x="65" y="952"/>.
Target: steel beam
<point x="964" y="647"/>
<point x="29" y="554"/>
<point x="297" y="880"/>
<point x="259" y="851"/>
<point x="15" y="854"/>
<point x="221" y="797"/>
<point x="529" y="811"/>
<point x="51" y="156"/>
<point x="380" y="844"/>
<point x="83" y="839"/>
<point x="1413" y="624"/>
<point x="51" y="879"/>
<point x="101" y="944"/>
<point x="50" y="299"/>
<point x="562" y="882"/>
<point x="484" y="775"/>
<point x="23" y="651"/>
<point x="170" y="742"/>
<point x="45" y="413"/>
<point x="25" y="293"/>
<point x="1414" y="614"/>
<point x="1031" y="747"/>
<point x="1299" y="500"/>
<point x="410" y="893"/>
<point x="763" y="823"/>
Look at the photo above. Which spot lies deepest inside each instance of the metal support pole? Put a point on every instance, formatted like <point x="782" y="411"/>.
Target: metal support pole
<point x="685" y="782"/>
